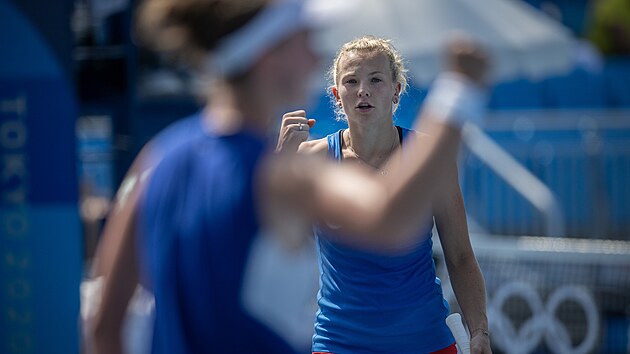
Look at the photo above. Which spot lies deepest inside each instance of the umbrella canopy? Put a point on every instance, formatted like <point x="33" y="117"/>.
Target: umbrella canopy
<point x="523" y="41"/>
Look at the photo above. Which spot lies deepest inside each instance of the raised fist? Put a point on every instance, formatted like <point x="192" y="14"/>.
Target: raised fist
<point x="294" y="131"/>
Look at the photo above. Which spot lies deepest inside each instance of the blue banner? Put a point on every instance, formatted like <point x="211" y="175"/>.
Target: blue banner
<point x="40" y="236"/>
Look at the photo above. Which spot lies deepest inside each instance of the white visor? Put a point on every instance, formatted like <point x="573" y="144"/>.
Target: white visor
<point x="241" y="49"/>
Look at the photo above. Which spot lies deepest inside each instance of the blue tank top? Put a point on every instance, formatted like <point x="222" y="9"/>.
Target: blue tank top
<point x="171" y="137"/>
<point x="197" y="222"/>
<point x="377" y="303"/>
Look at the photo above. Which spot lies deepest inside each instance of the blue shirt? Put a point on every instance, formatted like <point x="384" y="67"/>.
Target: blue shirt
<point x="376" y="303"/>
<point x="197" y="221"/>
<point x="171" y="137"/>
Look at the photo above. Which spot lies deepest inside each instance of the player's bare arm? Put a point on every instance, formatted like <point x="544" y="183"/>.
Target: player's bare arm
<point x="466" y="278"/>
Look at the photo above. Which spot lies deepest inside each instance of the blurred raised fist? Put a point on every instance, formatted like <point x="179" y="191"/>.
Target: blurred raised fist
<point x="467" y="57"/>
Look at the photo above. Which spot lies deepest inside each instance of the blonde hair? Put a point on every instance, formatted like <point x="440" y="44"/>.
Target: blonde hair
<point x="370" y="44"/>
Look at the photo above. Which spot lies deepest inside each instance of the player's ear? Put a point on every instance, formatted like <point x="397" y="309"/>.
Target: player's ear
<point x="335" y="92"/>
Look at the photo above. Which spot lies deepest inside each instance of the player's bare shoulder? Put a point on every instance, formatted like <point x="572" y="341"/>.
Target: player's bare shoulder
<point x="318" y="147"/>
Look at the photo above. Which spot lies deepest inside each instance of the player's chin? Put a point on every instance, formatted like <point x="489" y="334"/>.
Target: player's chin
<point x="364" y="115"/>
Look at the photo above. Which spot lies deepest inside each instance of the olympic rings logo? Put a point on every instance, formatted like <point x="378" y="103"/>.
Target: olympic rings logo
<point x="543" y="322"/>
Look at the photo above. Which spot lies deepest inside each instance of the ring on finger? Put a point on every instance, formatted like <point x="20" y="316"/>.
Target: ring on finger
<point x="300" y="127"/>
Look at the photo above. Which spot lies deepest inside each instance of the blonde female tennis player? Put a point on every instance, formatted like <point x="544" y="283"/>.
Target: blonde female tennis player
<point x="388" y="301"/>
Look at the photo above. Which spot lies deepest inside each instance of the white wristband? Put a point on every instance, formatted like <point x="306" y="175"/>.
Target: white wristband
<point x="454" y="99"/>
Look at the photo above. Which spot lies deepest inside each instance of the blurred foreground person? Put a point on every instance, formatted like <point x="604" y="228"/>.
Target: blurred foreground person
<point x="202" y="208"/>
<point x="391" y="300"/>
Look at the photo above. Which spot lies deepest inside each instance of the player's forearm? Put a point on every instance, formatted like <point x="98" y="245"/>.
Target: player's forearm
<point x="470" y="290"/>
<point x="373" y="211"/>
<point x="311" y="188"/>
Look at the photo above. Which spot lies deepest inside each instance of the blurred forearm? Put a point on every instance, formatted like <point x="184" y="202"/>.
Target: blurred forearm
<point x="373" y="211"/>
